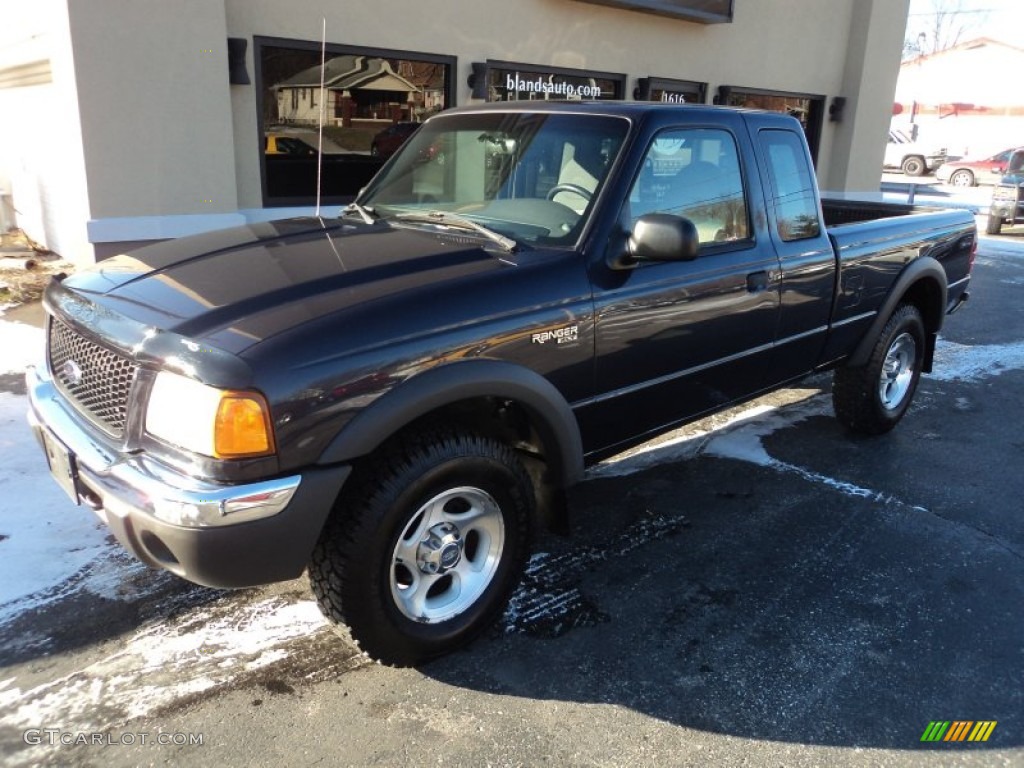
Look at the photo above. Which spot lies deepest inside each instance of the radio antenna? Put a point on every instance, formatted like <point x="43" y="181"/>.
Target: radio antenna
<point x="320" y="122"/>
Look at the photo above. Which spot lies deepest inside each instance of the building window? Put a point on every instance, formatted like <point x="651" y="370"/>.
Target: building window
<point x="366" y="92"/>
<point x="809" y="109"/>
<point x="507" y="81"/>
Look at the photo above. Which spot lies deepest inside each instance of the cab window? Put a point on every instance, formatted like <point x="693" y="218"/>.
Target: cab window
<point x="794" y="198"/>
<point x="693" y="173"/>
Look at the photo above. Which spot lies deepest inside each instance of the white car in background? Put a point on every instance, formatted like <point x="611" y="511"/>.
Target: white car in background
<point x="912" y="157"/>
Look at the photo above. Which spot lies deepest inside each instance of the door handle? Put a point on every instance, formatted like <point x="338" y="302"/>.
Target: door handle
<point x="757" y="282"/>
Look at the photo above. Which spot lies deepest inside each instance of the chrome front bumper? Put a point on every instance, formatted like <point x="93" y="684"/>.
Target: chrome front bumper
<point x="218" y="535"/>
<point x="122" y="485"/>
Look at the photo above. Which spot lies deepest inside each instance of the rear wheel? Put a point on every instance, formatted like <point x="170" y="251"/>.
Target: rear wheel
<point x="424" y="552"/>
<point x="913" y="166"/>
<point x="872" y="398"/>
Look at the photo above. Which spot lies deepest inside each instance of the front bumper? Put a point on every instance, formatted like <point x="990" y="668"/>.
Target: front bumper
<point x="1008" y="210"/>
<point x="215" y="535"/>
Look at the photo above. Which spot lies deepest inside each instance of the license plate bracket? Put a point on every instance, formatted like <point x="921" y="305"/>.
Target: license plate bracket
<point x="63" y="466"/>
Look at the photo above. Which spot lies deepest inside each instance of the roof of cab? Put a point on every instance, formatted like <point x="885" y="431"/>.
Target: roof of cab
<point x="628" y="109"/>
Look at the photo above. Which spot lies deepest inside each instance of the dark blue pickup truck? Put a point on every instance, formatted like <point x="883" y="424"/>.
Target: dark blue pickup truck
<point x="394" y="398"/>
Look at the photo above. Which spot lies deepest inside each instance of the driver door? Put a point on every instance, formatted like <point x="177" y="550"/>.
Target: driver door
<point x="677" y="339"/>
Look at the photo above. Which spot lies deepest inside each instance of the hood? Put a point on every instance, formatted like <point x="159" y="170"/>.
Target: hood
<point x="240" y="286"/>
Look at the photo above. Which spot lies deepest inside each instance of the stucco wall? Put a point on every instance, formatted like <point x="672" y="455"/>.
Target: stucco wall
<point x="869" y="79"/>
<point x="840" y="47"/>
<point x="155" y="106"/>
<point x="41" y="157"/>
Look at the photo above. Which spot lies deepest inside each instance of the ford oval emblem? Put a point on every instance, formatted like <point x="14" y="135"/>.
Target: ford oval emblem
<point x="72" y="373"/>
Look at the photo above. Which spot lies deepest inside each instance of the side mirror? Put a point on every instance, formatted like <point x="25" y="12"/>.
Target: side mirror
<point x="663" y="237"/>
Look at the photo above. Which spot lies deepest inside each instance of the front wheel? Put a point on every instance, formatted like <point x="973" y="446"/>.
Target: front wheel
<point x="872" y="398"/>
<point x="424" y="551"/>
<point x="962" y="178"/>
<point x="994" y="225"/>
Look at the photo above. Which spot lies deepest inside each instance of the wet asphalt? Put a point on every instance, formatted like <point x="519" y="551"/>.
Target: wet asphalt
<point x="818" y="606"/>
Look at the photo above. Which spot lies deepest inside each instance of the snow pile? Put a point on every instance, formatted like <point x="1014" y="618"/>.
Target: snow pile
<point x="44" y="539"/>
<point x="958" y="362"/>
<point x="49" y="548"/>
<point x="165" y="661"/>
<point x="20" y="345"/>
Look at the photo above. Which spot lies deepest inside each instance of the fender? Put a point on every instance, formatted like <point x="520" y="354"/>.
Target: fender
<point x="924" y="270"/>
<point x="464" y="380"/>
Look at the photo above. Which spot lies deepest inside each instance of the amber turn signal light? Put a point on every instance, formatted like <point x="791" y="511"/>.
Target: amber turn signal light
<point x="242" y="427"/>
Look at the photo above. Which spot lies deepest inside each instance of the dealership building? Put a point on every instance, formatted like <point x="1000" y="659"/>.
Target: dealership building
<point x="129" y="121"/>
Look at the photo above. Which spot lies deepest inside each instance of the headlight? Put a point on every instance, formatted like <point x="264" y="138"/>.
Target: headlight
<point x="222" y="423"/>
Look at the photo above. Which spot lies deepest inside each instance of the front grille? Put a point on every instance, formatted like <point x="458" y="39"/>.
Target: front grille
<point x="97" y="380"/>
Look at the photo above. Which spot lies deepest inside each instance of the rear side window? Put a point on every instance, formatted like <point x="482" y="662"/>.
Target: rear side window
<point x="796" y="205"/>
<point x="695" y="173"/>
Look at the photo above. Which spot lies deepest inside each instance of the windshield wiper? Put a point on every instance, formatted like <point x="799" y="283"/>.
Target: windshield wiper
<point x="448" y="219"/>
<point x="368" y="215"/>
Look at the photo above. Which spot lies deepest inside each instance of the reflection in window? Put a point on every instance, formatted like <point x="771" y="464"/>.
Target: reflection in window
<point x="531" y="177"/>
<point x="365" y="95"/>
<point x="796" y="205"/>
<point x="808" y="110"/>
<point x="694" y="173"/>
<point x="792" y="105"/>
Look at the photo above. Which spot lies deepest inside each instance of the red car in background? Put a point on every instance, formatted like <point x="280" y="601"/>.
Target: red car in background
<point x="968" y="172"/>
<point x="387" y="142"/>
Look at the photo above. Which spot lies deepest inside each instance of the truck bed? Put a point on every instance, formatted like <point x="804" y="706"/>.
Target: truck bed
<point x="839" y="212"/>
<point x="875" y="241"/>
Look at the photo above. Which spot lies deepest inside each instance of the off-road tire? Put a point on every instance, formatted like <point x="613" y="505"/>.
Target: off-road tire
<point x="993" y="225"/>
<point x="353" y="566"/>
<point x="859" y="393"/>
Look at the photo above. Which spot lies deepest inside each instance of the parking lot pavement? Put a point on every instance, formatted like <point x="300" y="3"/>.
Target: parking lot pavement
<point x="759" y="588"/>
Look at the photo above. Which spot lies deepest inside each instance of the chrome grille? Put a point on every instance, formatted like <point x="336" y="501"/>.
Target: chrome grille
<point x="97" y="380"/>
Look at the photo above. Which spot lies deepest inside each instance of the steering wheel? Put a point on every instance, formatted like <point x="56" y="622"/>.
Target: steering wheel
<point x="583" y="192"/>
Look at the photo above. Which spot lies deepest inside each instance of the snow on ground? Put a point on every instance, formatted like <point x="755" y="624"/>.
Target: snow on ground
<point x="745" y="443"/>
<point x="164" y="662"/>
<point x="958" y="362"/>
<point x="49" y="548"/>
<point x="20" y="345"/>
<point x="45" y="540"/>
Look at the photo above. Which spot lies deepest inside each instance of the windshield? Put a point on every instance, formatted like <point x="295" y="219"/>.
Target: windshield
<point x="529" y="177"/>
